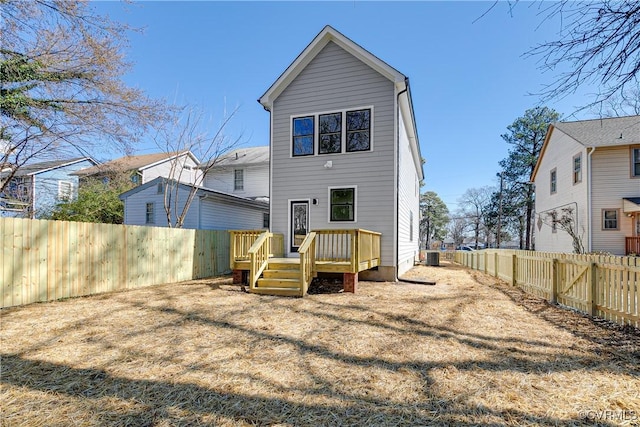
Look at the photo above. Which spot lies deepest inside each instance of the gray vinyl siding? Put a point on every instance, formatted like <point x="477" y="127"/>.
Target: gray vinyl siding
<point x="334" y="80"/>
<point x="256" y="180"/>
<point x="611" y="183"/>
<point x="212" y="213"/>
<point x="559" y="156"/>
<point x="136" y="205"/>
<point x="408" y="205"/>
<point x="216" y="215"/>
<point x="163" y="169"/>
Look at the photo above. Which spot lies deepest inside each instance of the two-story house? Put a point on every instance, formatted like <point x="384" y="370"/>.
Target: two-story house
<point x="344" y="156"/>
<point x="243" y="172"/>
<point x="589" y="171"/>
<point x="37" y="187"/>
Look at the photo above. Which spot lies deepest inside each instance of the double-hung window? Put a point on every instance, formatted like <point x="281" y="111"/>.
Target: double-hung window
<point x="149" y="214"/>
<point x="65" y="190"/>
<point x="303" y="133"/>
<point x="342" y="203"/>
<point x="337" y="132"/>
<point x="330" y="133"/>
<point x="238" y="179"/>
<point x="635" y="162"/>
<point x="577" y="168"/>
<point x="610" y="219"/>
<point x="358" y="130"/>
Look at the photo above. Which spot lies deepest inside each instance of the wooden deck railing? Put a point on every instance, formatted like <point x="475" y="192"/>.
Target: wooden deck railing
<point x="307" y="251"/>
<point x="360" y="248"/>
<point x="259" y="257"/>
<point x="632" y="245"/>
<point x="242" y="240"/>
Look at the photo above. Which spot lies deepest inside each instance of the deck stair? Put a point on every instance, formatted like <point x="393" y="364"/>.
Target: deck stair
<point x="281" y="277"/>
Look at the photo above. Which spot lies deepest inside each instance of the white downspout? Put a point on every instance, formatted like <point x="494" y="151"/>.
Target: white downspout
<point x="589" y="211"/>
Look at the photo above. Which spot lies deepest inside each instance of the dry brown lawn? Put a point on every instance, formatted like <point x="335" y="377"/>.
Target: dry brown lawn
<point x="468" y="351"/>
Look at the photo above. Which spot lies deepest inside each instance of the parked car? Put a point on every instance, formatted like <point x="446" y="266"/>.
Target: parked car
<point x="464" y="248"/>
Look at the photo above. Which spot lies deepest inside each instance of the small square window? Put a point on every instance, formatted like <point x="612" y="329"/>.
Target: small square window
<point x="553" y="179"/>
<point x="149" y="214"/>
<point x="238" y="180"/>
<point x="610" y="219"/>
<point x="342" y="204"/>
<point x="303" y="129"/>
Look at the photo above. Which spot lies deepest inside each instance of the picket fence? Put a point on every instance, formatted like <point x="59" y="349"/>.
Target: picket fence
<point x="49" y="260"/>
<point x="600" y="285"/>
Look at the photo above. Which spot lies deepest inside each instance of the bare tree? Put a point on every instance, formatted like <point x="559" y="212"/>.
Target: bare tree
<point x="191" y="132"/>
<point x="474" y="204"/>
<point x="61" y="90"/>
<point x="598" y="43"/>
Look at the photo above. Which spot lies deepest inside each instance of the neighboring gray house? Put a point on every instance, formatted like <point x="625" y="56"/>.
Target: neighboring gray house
<point x="345" y="151"/>
<point x="243" y="172"/>
<point x="590" y="169"/>
<point x="37" y="187"/>
<point x="210" y="209"/>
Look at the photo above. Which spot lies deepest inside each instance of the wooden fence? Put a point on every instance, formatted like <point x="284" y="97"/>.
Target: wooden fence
<point x="600" y="285"/>
<point x="48" y="260"/>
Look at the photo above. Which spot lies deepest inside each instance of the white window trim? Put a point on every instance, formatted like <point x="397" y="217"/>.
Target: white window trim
<point x="343" y="130"/>
<point x="61" y="191"/>
<point x="153" y="213"/>
<point x="355" y="203"/>
<point x="573" y="169"/>
<point x="234" y="180"/>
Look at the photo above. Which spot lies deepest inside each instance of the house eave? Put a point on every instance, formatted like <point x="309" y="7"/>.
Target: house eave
<point x="328" y="34"/>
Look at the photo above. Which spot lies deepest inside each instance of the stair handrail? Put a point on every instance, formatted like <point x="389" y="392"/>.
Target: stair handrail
<point x="259" y="257"/>
<point x="307" y="254"/>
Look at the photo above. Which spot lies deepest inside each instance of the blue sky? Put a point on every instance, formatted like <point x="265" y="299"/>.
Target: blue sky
<point x="469" y="76"/>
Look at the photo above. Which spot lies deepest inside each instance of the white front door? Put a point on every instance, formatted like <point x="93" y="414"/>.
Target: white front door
<point x="299" y="226"/>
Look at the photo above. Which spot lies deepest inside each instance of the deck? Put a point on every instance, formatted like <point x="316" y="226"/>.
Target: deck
<point x="260" y="254"/>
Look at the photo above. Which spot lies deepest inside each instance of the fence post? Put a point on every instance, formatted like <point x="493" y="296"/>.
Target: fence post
<point x="486" y="260"/>
<point x="554" y="282"/>
<point x="514" y="269"/>
<point x="591" y="289"/>
<point x="495" y="264"/>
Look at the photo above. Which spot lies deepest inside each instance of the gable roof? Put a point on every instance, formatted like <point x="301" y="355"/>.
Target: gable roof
<point x="131" y="163"/>
<point x="595" y="133"/>
<point x="603" y="132"/>
<point x="40" y="167"/>
<point x="400" y="81"/>
<point x="328" y="34"/>
<point x="241" y="157"/>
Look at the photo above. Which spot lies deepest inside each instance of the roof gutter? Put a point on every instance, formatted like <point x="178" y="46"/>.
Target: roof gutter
<point x="590" y="151"/>
<point x="396" y="250"/>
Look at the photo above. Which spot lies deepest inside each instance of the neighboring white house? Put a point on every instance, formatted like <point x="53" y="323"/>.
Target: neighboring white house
<point x="210" y="209"/>
<point x="242" y="172"/>
<point x="344" y="150"/>
<point x="143" y="168"/>
<point x="590" y="169"/>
